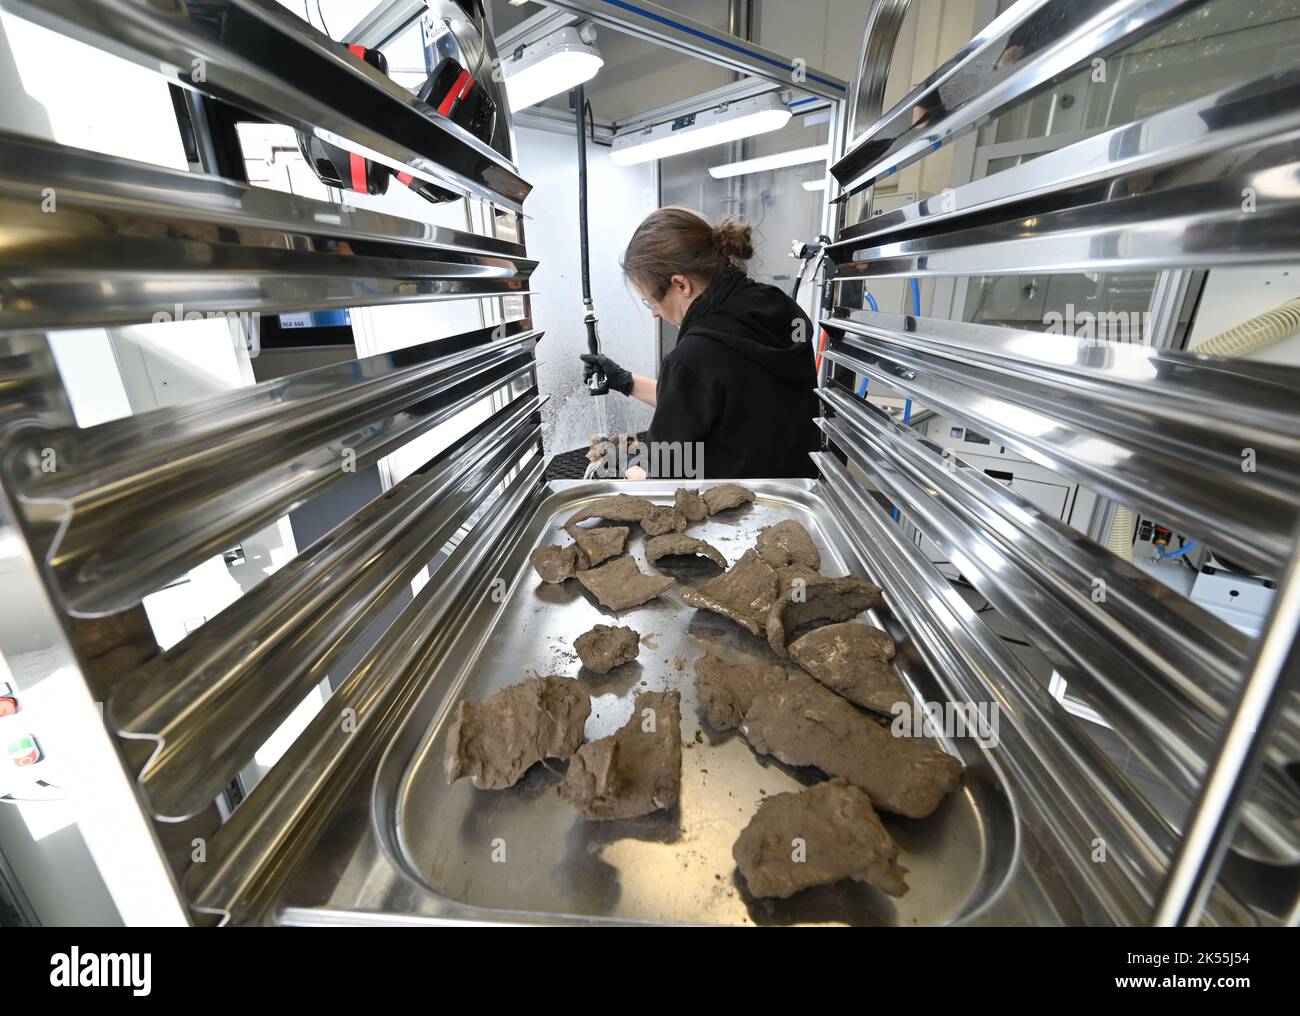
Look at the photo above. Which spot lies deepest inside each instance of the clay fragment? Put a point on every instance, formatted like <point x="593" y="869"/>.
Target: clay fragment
<point x="725" y="496"/>
<point x="662" y="519"/>
<point x="677" y="545"/>
<point x="614" y="508"/>
<point x="496" y="740"/>
<point x="745" y="593"/>
<point x="555" y="564"/>
<point x="802" y="723"/>
<point x="852" y="659"/>
<point x="840" y="837"/>
<point x="788" y="543"/>
<point x="807" y="595"/>
<point x="620" y="584"/>
<point x="635" y="771"/>
<point x="654" y="519"/>
<point x="598" y="544"/>
<point x="690" y="505"/>
<point x="726" y="690"/>
<point x="606" y="647"/>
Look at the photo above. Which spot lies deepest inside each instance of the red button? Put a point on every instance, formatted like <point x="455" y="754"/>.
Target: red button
<point x="8" y="706"/>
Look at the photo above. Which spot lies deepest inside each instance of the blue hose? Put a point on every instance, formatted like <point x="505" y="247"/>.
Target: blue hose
<point x="1180" y="551"/>
<point x="916" y="297"/>
<point x="862" y="391"/>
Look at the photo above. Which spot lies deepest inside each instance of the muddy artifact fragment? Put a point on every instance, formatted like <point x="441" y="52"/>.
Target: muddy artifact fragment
<point x="745" y="593"/>
<point x="788" y="543"/>
<point x="662" y="519"/>
<point x="614" y="508"/>
<point x="838" y="834"/>
<point x="808" y="595"/>
<point x="690" y="505"/>
<point x="852" y="659"/>
<point x="496" y="740"/>
<point x="620" y="584"/>
<point x="555" y="564"/>
<point x="725" y="496"/>
<point x="635" y="771"/>
<point x="678" y="545"/>
<point x="803" y="724"/>
<point x="598" y="544"/>
<point x="653" y="518"/>
<point x="606" y="647"/>
<point x="726" y="690"/>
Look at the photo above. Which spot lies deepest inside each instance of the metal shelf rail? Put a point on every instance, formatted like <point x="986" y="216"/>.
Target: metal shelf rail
<point x="132" y="504"/>
<point x="1212" y="182"/>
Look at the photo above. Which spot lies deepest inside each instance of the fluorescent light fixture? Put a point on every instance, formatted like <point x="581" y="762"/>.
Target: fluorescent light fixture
<point x="797" y="157"/>
<point x="561" y="61"/>
<point x="814" y="185"/>
<point x="735" y="120"/>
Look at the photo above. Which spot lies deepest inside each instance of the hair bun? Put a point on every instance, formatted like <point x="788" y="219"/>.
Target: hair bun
<point x="734" y="241"/>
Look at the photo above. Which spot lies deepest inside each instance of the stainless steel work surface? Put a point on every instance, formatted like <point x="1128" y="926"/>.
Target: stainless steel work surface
<point x="454" y="852"/>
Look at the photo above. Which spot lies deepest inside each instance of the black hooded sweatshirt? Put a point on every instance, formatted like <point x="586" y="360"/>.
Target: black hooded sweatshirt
<point x="742" y="380"/>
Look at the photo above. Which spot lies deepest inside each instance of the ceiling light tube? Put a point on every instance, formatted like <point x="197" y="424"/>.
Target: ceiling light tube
<point x="730" y="122"/>
<point x="561" y="61"/>
<point x="796" y="157"/>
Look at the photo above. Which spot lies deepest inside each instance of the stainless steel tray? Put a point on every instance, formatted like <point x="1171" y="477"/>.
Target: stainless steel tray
<point x="433" y="851"/>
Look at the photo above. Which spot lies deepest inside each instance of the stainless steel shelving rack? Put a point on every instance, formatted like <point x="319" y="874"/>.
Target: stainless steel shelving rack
<point x="134" y="503"/>
<point x="1212" y="182"/>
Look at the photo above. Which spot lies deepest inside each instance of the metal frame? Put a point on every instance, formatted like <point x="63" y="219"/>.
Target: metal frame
<point x="272" y="252"/>
<point x="664" y="27"/>
<point x="1166" y="693"/>
<point x="1033" y="44"/>
<point x="123" y="842"/>
<point x="1058" y="400"/>
<point x="1153" y="192"/>
<point x="132" y="241"/>
<point x="1043" y="749"/>
<point x="535" y="27"/>
<point x="384" y="21"/>
<point x="556" y="122"/>
<point x="745" y="88"/>
<point x="1147" y="425"/>
<point x="317" y="85"/>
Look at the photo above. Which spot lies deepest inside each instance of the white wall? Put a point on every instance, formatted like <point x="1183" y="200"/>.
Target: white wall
<point x="619" y="198"/>
<point x="826" y="33"/>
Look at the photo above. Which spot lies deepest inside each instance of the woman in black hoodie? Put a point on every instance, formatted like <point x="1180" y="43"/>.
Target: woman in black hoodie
<point x="741" y="379"/>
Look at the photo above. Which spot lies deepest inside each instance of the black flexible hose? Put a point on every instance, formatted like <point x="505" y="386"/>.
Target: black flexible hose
<point x="597" y="382"/>
<point x="579" y="106"/>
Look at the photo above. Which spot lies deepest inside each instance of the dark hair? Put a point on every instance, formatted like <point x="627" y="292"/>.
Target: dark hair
<point x="678" y="241"/>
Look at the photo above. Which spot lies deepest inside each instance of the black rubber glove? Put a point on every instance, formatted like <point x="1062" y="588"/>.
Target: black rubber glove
<point x="620" y="380"/>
